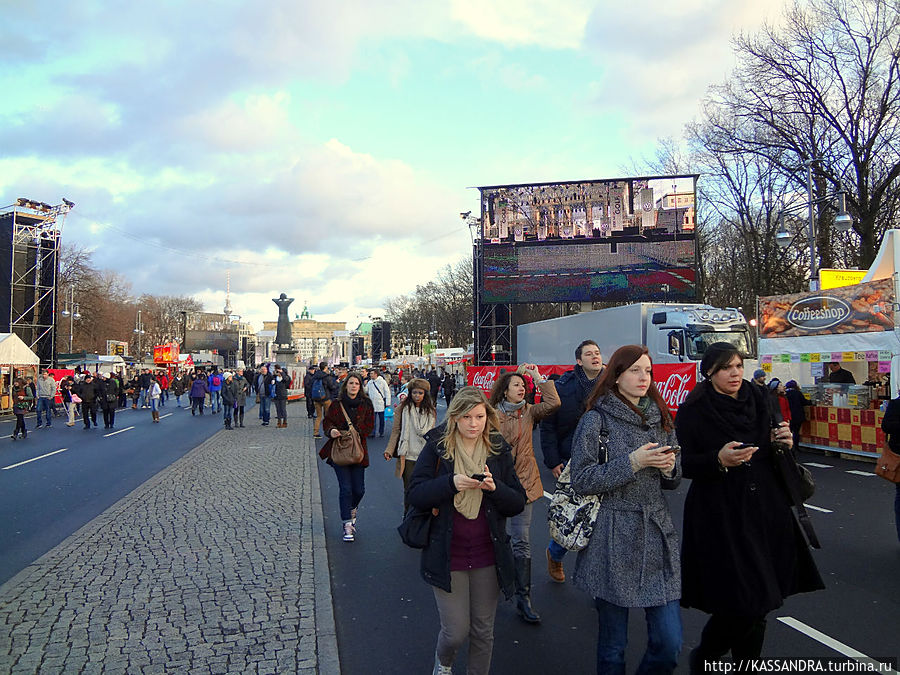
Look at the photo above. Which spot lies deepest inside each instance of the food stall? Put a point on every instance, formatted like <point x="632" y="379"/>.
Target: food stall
<point x="16" y="360"/>
<point x="855" y="326"/>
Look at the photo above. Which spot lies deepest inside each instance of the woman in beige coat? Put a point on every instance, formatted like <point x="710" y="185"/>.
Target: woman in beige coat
<point x="413" y="418"/>
<point x="518" y="418"/>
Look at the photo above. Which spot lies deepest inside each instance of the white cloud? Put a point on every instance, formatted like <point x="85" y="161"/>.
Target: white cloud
<point x="544" y="23"/>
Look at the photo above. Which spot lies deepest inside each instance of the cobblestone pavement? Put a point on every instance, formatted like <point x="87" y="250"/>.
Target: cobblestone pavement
<point x="215" y="565"/>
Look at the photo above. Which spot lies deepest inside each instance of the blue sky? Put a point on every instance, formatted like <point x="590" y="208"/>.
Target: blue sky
<point x="326" y="149"/>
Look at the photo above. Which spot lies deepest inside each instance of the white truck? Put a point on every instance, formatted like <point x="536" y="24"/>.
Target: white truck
<point x="673" y="333"/>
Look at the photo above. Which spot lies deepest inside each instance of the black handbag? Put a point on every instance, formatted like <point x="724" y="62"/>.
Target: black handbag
<point x="800" y="486"/>
<point x="415" y="529"/>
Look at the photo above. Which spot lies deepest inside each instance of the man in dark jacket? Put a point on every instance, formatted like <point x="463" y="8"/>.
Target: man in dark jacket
<point x="434" y="380"/>
<point x="108" y="395"/>
<point x="88" y="391"/>
<point x="329" y="389"/>
<point x="837" y="374"/>
<point x="307" y="392"/>
<point x="557" y="429"/>
<point x="282" y="383"/>
<point x="144" y="380"/>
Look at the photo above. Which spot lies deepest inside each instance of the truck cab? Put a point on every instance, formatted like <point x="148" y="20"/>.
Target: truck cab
<point x="679" y="333"/>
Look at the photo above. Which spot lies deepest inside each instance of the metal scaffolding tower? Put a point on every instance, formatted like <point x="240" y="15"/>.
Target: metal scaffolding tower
<point x="30" y="237"/>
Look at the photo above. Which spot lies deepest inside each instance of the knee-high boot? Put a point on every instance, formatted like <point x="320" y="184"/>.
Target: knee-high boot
<point x="523" y="591"/>
<point x="241" y="423"/>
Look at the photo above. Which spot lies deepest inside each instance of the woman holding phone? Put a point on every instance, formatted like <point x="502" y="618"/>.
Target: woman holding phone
<point x="466" y="473"/>
<point x="632" y="557"/>
<point x="518" y="419"/>
<point x="743" y="550"/>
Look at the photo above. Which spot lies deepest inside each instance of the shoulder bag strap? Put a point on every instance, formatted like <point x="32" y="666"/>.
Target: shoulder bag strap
<point x="346" y="416"/>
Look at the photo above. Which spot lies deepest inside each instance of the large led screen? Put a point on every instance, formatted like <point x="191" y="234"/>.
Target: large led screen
<point x="623" y="239"/>
<point x="593" y="271"/>
<point x="206" y="331"/>
<point x="588" y="209"/>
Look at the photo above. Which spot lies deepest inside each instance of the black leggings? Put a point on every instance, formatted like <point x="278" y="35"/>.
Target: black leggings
<point x="741" y="635"/>
<point x="20" y="424"/>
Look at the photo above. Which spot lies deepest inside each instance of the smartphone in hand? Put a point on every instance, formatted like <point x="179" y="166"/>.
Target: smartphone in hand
<point x="478" y="476"/>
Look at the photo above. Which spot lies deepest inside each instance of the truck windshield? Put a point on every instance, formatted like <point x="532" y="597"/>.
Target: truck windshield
<point x="698" y="341"/>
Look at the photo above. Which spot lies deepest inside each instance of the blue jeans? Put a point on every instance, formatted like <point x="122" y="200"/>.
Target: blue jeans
<point x="142" y="399"/>
<point x="352" y="485"/>
<point x="663" y="638"/>
<point x="154" y="404"/>
<point x="215" y="400"/>
<point x="379" y="419"/>
<point x="45" y="405"/>
<point x="265" y="405"/>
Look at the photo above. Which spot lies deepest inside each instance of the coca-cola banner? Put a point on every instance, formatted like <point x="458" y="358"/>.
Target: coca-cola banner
<point x="674" y="380"/>
<point x="484" y="377"/>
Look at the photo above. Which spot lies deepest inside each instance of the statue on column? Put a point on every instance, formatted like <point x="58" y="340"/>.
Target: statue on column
<point x="283" y="335"/>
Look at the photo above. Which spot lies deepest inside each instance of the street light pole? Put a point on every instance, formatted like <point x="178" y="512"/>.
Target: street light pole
<point x="813" y="265"/>
<point x="139" y="330"/>
<point x="71" y="310"/>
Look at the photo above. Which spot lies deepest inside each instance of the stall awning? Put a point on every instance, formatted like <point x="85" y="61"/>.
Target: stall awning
<point x="14" y="352"/>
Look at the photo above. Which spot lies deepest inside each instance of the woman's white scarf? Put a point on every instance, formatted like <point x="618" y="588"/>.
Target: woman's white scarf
<point x="412" y="434"/>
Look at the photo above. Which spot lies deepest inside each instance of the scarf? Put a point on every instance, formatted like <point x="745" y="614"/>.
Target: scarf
<point x="744" y="418"/>
<point x="416" y="424"/>
<point x="587" y="386"/>
<point x="351" y="405"/>
<point x="468" y="502"/>
<point x="509" y="408"/>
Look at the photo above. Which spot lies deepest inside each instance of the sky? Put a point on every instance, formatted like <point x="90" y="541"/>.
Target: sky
<point x="326" y="149"/>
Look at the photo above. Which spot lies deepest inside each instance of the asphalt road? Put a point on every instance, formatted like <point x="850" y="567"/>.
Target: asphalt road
<point x="387" y="621"/>
<point x="45" y="500"/>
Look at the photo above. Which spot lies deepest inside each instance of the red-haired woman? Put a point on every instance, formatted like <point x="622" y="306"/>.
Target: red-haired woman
<point x="632" y="559"/>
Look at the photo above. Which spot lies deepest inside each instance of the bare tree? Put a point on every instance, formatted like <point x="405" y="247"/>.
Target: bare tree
<point x="824" y="88"/>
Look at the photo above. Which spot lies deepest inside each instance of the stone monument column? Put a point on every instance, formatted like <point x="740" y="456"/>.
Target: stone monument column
<point x="285" y="353"/>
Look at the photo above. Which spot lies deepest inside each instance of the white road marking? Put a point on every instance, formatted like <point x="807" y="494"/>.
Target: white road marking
<point x="819" y="466"/>
<point x="120" y="431"/>
<point x="861" y="473"/>
<point x="828" y="641"/>
<point x="28" y="461"/>
<point x="818" y="508"/>
<point x="162" y="417"/>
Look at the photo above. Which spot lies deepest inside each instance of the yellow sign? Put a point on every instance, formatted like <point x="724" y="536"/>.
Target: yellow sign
<point x="766" y="367"/>
<point x="848" y="356"/>
<point x="829" y="278"/>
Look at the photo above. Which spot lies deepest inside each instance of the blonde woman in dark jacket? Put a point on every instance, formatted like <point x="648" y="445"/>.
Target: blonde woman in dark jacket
<point x="518" y="418"/>
<point x="466" y="473"/>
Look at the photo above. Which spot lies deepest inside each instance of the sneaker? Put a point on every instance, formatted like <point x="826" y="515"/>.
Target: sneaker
<point x="317" y="435"/>
<point x="38" y="426"/>
<point x="439" y="669"/>
<point x="348" y="532"/>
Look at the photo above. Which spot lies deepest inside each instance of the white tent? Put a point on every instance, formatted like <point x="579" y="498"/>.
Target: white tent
<point x="14" y="352"/>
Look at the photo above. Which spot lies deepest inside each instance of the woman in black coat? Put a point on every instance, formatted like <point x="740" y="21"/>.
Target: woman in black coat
<point x="742" y="550"/>
<point x="466" y="472"/>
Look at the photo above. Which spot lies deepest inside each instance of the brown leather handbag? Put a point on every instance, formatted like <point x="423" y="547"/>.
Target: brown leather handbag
<point x="888" y="466"/>
<point x="347" y="448"/>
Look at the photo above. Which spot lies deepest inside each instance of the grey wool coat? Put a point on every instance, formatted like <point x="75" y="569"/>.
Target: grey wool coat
<point x="632" y="559"/>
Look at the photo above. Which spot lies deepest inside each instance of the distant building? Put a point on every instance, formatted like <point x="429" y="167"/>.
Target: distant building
<point x="314" y="340"/>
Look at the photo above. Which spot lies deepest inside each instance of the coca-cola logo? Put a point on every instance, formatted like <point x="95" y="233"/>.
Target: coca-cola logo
<point x="484" y="380"/>
<point x="675" y="388"/>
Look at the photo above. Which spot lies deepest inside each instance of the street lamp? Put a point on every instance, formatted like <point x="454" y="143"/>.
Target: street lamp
<point x="139" y="330"/>
<point x="71" y="310"/>
<point x="842" y="222"/>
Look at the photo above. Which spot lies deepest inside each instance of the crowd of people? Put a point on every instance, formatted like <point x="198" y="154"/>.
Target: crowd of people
<point x="213" y="389"/>
<point x="741" y="552"/>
